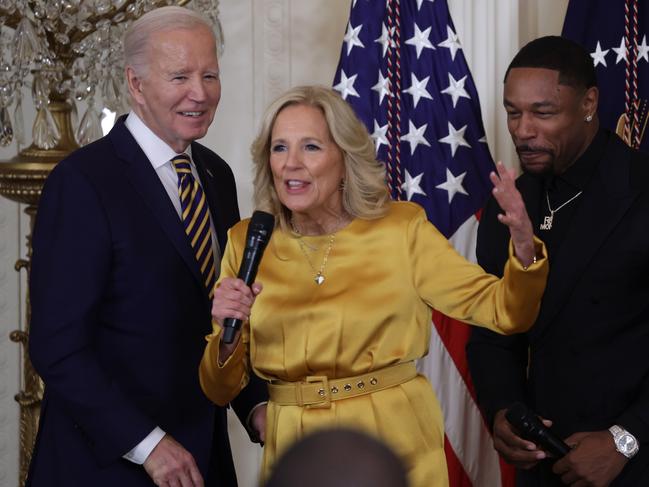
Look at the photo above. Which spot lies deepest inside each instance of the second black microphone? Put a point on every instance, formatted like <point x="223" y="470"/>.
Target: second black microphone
<point x="531" y="428"/>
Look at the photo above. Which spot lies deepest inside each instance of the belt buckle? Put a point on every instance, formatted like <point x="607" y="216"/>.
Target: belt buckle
<point x="323" y="392"/>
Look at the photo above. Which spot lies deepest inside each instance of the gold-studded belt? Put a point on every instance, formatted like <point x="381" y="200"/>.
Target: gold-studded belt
<point x="317" y="391"/>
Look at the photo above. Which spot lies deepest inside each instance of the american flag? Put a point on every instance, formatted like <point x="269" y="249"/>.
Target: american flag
<point x="403" y="70"/>
<point x="614" y="32"/>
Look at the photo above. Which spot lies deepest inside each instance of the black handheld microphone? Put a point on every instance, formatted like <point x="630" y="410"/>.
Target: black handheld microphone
<point x="259" y="231"/>
<point x="531" y="428"/>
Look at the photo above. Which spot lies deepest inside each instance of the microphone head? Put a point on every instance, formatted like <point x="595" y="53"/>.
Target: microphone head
<point x="263" y="220"/>
<point x="530" y="427"/>
<point x="517" y="413"/>
<point x="523" y="419"/>
<point x="260" y="228"/>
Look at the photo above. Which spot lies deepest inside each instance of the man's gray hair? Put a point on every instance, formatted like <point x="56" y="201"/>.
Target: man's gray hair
<point x="163" y="19"/>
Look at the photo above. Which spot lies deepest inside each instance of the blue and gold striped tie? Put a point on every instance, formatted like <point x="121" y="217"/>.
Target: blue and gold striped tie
<point x="196" y="219"/>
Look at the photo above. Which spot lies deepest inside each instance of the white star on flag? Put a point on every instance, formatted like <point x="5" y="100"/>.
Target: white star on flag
<point x="412" y="186"/>
<point x="420" y="40"/>
<point x="382" y="87"/>
<point x="643" y="50"/>
<point x="620" y="51"/>
<point x="418" y="89"/>
<point x="346" y="85"/>
<point x="455" y="138"/>
<point x="456" y="89"/>
<point x="419" y="2"/>
<point x="452" y="43"/>
<point x="599" y="55"/>
<point x="453" y="184"/>
<point x="351" y="37"/>
<point x="380" y="135"/>
<point x="415" y="136"/>
<point x="385" y="40"/>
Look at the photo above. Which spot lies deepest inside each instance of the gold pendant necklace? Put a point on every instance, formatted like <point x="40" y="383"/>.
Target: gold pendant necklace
<point x="319" y="274"/>
<point x="547" y="220"/>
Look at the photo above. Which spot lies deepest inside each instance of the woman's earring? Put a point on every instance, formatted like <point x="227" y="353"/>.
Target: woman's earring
<point x="341" y="186"/>
<point x="588" y="118"/>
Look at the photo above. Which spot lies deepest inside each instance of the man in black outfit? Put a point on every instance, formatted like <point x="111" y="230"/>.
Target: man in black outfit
<point x="584" y="364"/>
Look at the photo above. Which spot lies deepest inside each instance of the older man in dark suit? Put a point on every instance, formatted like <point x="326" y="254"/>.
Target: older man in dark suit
<point x="584" y="363"/>
<point x="126" y="250"/>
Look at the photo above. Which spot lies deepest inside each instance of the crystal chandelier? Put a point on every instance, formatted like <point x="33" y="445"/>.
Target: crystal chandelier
<point x="66" y="52"/>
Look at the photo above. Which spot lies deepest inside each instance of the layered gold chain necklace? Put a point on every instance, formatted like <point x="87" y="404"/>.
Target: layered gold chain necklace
<point x="319" y="274"/>
<point x="319" y="277"/>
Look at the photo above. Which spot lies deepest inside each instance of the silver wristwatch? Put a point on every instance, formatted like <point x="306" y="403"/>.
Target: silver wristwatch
<point x="625" y="442"/>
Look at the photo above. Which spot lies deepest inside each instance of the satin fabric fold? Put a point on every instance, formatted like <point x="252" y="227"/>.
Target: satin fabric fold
<point x="373" y="310"/>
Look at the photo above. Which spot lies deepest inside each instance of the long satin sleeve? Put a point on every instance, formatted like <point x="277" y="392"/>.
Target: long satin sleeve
<point x="222" y="382"/>
<point x="462" y="290"/>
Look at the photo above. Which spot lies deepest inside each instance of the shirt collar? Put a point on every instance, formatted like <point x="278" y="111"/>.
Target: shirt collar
<point x="156" y="150"/>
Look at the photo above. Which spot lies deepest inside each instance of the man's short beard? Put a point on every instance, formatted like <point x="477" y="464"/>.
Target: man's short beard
<point x="547" y="169"/>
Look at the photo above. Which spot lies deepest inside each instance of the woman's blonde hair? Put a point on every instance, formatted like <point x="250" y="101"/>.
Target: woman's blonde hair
<point x="364" y="191"/>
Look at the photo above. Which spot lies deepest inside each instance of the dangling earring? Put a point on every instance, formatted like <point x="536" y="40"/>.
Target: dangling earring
<point x="341" y="186"/>
<point x="588" y="118"/>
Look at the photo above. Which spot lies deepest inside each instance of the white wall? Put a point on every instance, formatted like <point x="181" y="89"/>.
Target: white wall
<point x="270" y="46"/>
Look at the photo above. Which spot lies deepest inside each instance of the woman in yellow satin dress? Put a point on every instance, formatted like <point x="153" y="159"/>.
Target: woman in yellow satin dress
<point x="349" y="280"/>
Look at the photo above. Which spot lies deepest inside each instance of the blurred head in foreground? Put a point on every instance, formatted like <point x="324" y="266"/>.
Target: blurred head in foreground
<point x="341" y="458"/>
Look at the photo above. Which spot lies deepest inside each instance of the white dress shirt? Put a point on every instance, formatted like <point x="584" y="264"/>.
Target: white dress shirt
<point x="160" y="156"/>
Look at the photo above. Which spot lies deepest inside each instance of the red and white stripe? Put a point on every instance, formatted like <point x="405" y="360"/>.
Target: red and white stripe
<point x="472" y="461"/>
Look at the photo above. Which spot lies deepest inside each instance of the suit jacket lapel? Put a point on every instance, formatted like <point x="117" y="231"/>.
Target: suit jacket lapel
<point x="605" y="200"/>
<point x="139" y="171"/>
